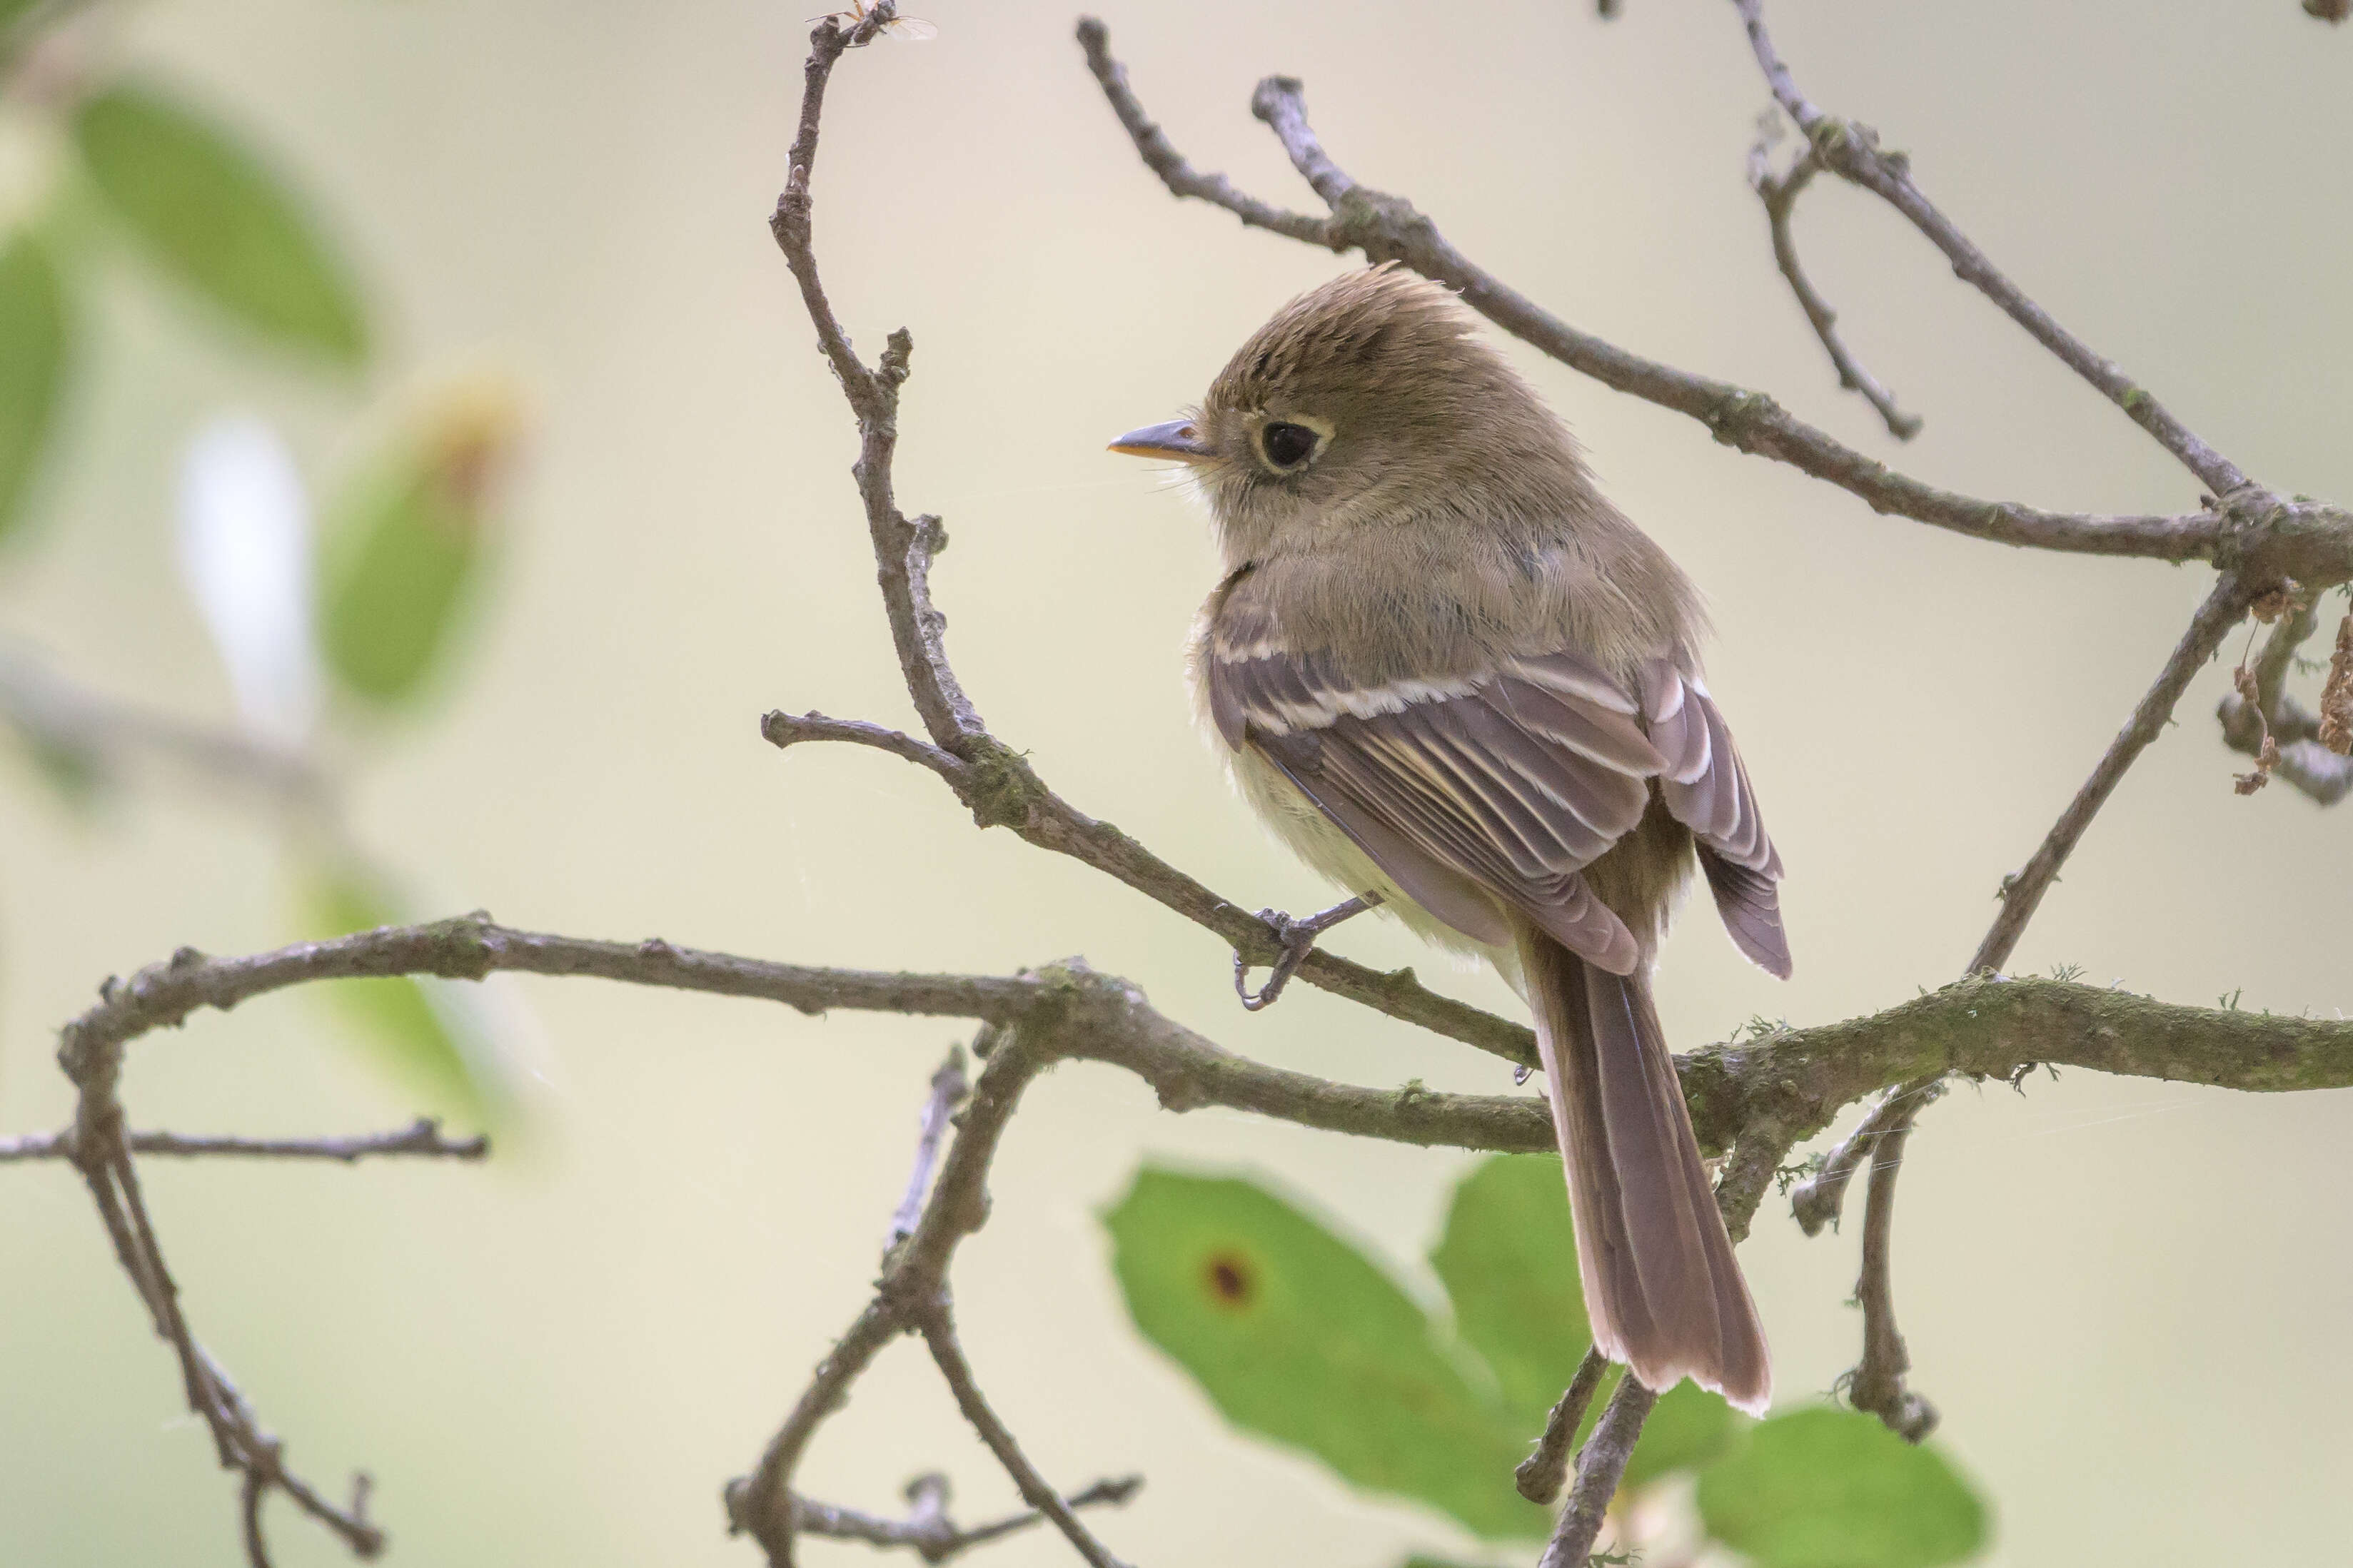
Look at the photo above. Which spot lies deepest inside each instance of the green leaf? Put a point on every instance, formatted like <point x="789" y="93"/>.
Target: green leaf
<point x="404" y="541"/>
<point x="1689" y="1428"/>
<point x="210" y="212"/>
<point x="76" y="772"/>
<point x="1828" y="1488"/>
<point x="1508" y="1259"/>
<point x="34" y="350"/>
<point x="1296" y="1336"/>
<point x="411" y="1038"/>
<point x="399" y="561"/>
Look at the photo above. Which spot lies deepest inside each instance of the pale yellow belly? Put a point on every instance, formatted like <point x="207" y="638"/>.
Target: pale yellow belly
<point x="1307" y="833"/>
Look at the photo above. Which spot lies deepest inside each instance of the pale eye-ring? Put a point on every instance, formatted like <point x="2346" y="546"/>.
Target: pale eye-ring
<point x="1287" y="445"/>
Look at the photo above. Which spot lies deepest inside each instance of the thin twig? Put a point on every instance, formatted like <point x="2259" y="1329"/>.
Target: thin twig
<point x="96" y="731"/>
<point x="927" y="1530"/>
<point x="900" y="546"/>
<point x="2022" y="894"/>
<point x="1160" y="155"/>
<point x="1600" y="1466"/>
<point x="1755" y="1159"/>
<point x="1876" y="1384"/>
<point x="913" y="1276"/>
<point x="1110" y="1492"/>
<point x="257" y="1547"/>
<point x="1779" y="194"/>
<point x="1852" y="152"/>
<point x="162" y="1295"/>
<point x="240" y="1444"/>
<point x="763" y="1506"/>
<point x="2310" y="541"/>
<point x="1542" y="1474"/>
<point x="1816" y="1200"/>
<point x="781" y="729"/>
<point x="422" y="1137"/>
<point x="949" y="1085"/>
<point x="938" y="1328"/>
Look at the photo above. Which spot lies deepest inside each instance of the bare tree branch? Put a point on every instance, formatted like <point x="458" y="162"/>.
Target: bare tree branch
<point x="1160" y="155"/>
<point x="422" y="1137"/>
<point x="1755" y="1097"/>
<point x="903" y="549"/>
<point x="1784" y="1087"/>
<point x="61" y="718"/>
<point x="1816" y="1200"/>
<point x="2310" y="541"/>
<point x="1851" y="152"/>
<point x="1006" y="790"/>
<point x="2022" y="894"/>
<point x="257" y="1546"/>
<point x="1796" y="1078"/>
<point x="928" y="1532"/>
<point x="239" y="1441"/>
<point x="1876" y="1384"/>
<point x="939" y="1333"/>
<point x="913" y="1295"/>
<point x="1779" y="194"/>
<point x="915" y="1276"/>
<point x="1599" y="1468"/>
<point x="949" y="1085"/>
<point x="1543" y="1473"/>
<point x="2259" y="540"/>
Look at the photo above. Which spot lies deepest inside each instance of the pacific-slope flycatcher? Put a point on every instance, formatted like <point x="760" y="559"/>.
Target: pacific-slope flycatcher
<point x="1448" y="671"/>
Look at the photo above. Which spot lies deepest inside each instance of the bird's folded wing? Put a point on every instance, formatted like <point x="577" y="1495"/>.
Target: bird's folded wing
<point x="1473" y="794"/>
<point x="1706" y="788"/>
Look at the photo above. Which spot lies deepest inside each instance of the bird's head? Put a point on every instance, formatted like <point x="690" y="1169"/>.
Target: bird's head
<point x="1368" y="402"/>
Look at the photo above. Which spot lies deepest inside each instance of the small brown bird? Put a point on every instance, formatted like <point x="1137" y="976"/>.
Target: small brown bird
<point x="1447" y="671"/>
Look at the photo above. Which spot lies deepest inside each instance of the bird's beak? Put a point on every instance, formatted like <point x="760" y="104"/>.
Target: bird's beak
<point x="1178" y="438"/>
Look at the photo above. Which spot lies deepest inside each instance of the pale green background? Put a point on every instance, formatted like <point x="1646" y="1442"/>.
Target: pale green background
<point x="2131" y="1299"/>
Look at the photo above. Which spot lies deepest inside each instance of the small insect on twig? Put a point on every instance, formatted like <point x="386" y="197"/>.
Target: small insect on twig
<point x="900" y="27"/>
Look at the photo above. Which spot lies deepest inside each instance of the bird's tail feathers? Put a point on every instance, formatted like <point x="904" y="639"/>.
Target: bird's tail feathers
<point x="1662" y="1288"/>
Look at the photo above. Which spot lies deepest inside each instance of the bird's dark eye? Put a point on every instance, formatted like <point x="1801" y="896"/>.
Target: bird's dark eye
<point x="1288" y="446"/>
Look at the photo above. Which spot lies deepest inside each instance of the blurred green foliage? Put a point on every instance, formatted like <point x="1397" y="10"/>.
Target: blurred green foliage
<point x="209" y="213"/>
<point x="418" y="1043"/>
<point x="32" y="363"/>
<point x="406" y="538"/>
<point x="1296" y="1335"/>
<point x="1833" y="1489"/>
<point x="406" y="534"/>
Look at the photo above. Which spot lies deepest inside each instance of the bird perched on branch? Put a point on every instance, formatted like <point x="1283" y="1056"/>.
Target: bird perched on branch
<point x="1449" y="673"/>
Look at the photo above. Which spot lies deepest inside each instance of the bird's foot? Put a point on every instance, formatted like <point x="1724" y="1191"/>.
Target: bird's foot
<point x="1298" y="939"/>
